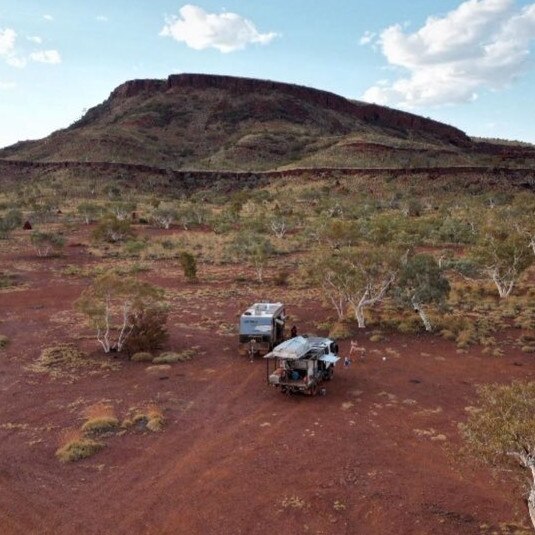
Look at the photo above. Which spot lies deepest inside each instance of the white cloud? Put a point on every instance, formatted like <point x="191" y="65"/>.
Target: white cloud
<point x="8" y="38"/>
<point x="35" y="39"/>
<point x="48" y="17"/>
<point x="102" y="18"/>
<point x="8" y="52"/>
<point x="226" y="32"/>
<point x="46" y="56"/>
<point x="11" y="55"/>
<point x="481" y="45"/>
<point x="4" y="86"/>
<point x="16" y="61"/>
<point x="367" y="38"/>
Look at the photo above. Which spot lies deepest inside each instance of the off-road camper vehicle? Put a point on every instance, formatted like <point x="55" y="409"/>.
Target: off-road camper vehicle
<point x="302" y="364"/>
<point x="261" y="328"/>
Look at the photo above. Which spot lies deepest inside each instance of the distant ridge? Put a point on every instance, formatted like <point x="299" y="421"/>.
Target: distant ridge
<point x="225" y="123"/>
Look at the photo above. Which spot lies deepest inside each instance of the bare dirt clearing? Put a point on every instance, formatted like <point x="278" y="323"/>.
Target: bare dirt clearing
<point x="376" y="455"/>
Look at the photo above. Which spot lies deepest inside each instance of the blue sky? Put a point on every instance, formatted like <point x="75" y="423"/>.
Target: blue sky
<point x="468" y="63"/>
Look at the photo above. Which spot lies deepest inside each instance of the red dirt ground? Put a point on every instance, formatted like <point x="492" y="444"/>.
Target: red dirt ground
<point x="381" y="445"/>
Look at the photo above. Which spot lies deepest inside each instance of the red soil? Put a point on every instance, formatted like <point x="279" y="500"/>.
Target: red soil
<point x="235" y="449"/>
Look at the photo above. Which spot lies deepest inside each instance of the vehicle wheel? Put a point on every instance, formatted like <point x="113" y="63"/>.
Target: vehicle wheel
<point x="328" y="375"/>
<point x="313" y="390"/>
<point x="284" y="389"/>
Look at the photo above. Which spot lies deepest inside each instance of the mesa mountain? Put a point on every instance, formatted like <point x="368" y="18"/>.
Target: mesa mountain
<point x="206" y="122"/>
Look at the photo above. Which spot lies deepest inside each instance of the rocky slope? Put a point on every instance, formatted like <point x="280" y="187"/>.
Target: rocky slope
<point x="205" y="122"/>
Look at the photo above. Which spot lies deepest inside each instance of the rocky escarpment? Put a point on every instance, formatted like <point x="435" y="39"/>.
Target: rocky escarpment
<point x="157" y="179"/>
<point x="199" y="122"/>
<point x="369" y="113"/>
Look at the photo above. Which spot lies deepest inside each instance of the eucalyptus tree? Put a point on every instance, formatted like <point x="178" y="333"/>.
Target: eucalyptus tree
<point x="503" y="255"/>
<point x="252" y="249"/>
<point x="501" y="431"/>
<point x="114" y="304"/>
<point x="422" y="283"/>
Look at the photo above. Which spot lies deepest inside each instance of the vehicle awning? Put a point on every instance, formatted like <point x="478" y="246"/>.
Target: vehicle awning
<point x="329" y="358"/>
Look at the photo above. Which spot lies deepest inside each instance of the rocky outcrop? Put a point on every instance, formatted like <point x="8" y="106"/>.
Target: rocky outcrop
<point x="368" y="113"/>
<point x="13" y="170"/>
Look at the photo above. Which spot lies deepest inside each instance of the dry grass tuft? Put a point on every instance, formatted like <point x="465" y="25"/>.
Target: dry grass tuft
<point x="150" y="418"/>
<point x="142" y="356"/>
<point x="155" y="419"/>
<point x="101" y="419"/>
<point x="75" y="446"/>
<point x="61" y="360"/>
<point x="169" y="357"/>
<point x="293" y="502"/>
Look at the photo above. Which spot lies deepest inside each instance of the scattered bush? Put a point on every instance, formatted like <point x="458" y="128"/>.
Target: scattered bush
<point x="47" y="243"/>
<point x="64" y="359"/>
<point x="89" y="211"/>
<point x="170" y="357"/>
<point x="377" y="336"/>
<point x="189" y="266"/>
<point x="142" y="356"/>
<point x="148" y="330"/>
<point x="76" y="447"/>
<point x="293" y="502"/>
<point x="112" y="230"/>
<point x="100" y="419"/>
<point x="125" y="310"/>
<point x="341" y="330"/>
<point x="151" y="418"/>
<point x="4" y="341"/>
<point x="281" y="278"/>
<point x="155" y="419"/>
<point x="11" y="221"/>
<point x="6" y="280"/>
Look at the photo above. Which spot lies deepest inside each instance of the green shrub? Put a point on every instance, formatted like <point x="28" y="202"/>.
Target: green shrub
<point x="47" y="243"/>
<point x="112" y="230"/>
<point x="134" y="247"/>
<point x="189" y="265"/>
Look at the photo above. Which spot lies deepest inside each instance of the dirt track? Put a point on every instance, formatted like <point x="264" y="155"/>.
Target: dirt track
<point x="376" y="455"/>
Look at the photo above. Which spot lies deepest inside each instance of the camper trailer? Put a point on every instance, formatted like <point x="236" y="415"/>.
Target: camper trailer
<point x="301" y="364"/>
<point x="261" y="328"/>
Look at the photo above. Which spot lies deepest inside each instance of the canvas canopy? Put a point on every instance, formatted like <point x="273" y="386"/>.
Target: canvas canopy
<point x="292" y="349"/>
<point x="332" y="359"/>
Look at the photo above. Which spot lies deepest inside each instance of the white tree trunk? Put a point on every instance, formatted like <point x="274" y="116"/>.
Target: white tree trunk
<point x="369" y="299"/>
<point x="260" y="273"/>
<point x="531" y="496"/>
<point x="123" y="335"/>
<point x="338" y="304"/>
<point x="420" y="309"/>
<point x="359" y="315"/>
<point x="425" y="320"/>
<point x="505" y="286"/>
